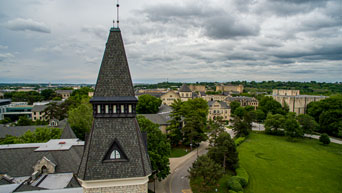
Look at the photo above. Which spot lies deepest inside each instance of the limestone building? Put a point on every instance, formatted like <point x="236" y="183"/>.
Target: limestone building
<point x="244" y="101"/>
<point x="65" y="94"/>
<point x="227" y="88"/>
<point x="185" y="92"/>
<point x="38" y="113"/>
<point x="169" y="97"/>
<point x="115" y="157"/>
<point x="218" y="109"/>
<point x="297" y="103"/>
<point x="215" y="97"/>
<point x="197" y="88"/>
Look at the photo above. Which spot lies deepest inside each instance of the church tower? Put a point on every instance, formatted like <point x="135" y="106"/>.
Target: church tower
<point x="115" y="158"/>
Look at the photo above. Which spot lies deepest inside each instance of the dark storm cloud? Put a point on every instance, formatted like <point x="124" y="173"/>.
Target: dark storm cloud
<point x="20" y="24"/>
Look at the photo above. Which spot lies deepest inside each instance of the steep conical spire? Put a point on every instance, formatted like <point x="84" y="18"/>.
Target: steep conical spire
<point x="115" y="147"/>
<point x="114" y="78"/>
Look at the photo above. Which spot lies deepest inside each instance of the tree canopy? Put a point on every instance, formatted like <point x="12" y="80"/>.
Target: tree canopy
<point x="40" y="135"/>
<point x="159" y="148"/>
<point x="148" y="104"/>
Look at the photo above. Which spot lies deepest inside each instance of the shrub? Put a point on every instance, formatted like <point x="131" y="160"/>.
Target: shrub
<point x="234" y="184"/>
<point x="243" y="176"/>
<point x="239" y="140"/>
<point x="324" y="138"/>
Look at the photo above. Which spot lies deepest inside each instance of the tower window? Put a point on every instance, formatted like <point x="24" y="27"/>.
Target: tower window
<point x="122" y="108"/>
<point x="130" y="108"/>
<point x="98" y="108"/>
<point x="114" y="108"/>
<point x="107" y="109"/>
<point x="115" y="155"/>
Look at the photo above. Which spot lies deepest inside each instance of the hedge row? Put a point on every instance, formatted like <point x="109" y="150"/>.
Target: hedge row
<point x="238" y="182"/>
<point x="239" y="140"/>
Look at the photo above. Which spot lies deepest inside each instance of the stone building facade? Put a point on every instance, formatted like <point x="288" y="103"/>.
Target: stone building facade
<point x="284" y="92"/>
<point x="38" y="113"/>
<point x="227" y="88"/>
<point x="244" y="101"/>
<point x="169" y="97"/>
<point x="65" y="94"/>
<point x="214" y="97"/>
<point x="198" y="88"/>
<point x="185" y="93"/>
<point x="218" y="109"/>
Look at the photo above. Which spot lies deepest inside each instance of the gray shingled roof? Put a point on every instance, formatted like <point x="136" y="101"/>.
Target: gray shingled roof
<point x="39" y="108"/>
<point x="223" y="104"/>
<point x="68" y="133"/>
<point x="160" y="119"/>
<point x="114" y="81"/>
<point x="164" y="109"/>
<point x="185" y="88"/>
<point x="20" y="161"/>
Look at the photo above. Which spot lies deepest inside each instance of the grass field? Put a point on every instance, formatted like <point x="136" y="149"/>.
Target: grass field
<point x="276" y="165"/>
<point x="179" y="152"/>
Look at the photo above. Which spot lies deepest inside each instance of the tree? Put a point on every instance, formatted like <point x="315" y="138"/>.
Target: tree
<point x="159" y="148"/>
<point x="259" y="115"/>
<point x="216" y="127"/>
<point x="195" y="113"/>
<point x="324" y="138"/>
<point x="292" y="128"/>
<point x="268" y="105"/>
<point x="175" y="134"/>
<point x="40" y="135"/>
<point x="48" y="94"/>
<point x="207" y="171"/>
<point x="234" y="105"/>
<point x="240" y="127"/>
<point x="224" y="151"/>
<point x="148" y="104"/>
<point x="24" y="121"/>
<point x="273" y="123"/>
<point x="81" y="118"/>
<point x="55" y="111"/>
<point x="240" y="111"/>
<point x="308" y="123"/>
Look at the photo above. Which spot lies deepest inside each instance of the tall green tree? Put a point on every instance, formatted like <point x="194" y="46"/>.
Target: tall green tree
<point x="224" y="151"/>
<point x="207" y="171"/>
<point x="273" y="123"/>
<point x="292" y="128"/>
<point x="175" y="134"/>
<point x="308" y="123"/>
<point x="48" y="94"/>
<point x="268" y="105"/>
<point x="216" y="127"/>
<point x="159" y="148"/>
<point x="148" y="104"/>
<point x="234" y="105"/>
<point x="81" y="118"/>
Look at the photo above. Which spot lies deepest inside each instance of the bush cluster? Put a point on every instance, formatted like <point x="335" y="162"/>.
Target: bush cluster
<point x="238" y="182"/>
<point x="239" y="140"/>
<point x="324" y="138"/>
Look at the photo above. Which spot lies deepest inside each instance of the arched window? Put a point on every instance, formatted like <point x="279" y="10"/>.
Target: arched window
<point x="44" y="170"/>
<point x="115" y="155"/>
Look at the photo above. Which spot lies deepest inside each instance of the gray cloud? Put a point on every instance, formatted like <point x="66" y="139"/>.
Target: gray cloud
<point x="20" y="24"/>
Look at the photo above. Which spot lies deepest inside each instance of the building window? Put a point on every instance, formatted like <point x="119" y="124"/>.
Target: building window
<point x="98" y="108"/>
<point x="130" y="108"/>
<point x="114" y="108"/>
<point x="115" y="155"/>
<point x="106" y="109"/>
<point x="122" y="108"/>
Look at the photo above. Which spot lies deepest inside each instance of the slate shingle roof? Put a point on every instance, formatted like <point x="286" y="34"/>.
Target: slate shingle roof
<point x="184" y="88"/>
<point x="160" y="119"/>
<point x="223" y="104"/>
<point x="20" y="161"/>
<point x="114" y="83"/>
<point x="39" y="108"/>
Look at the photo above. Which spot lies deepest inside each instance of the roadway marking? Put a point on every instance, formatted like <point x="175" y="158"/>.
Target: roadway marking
<point x="186" y="191"/>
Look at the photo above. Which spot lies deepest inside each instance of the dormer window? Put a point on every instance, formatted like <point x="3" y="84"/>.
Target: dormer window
<point x="115" y="155"/>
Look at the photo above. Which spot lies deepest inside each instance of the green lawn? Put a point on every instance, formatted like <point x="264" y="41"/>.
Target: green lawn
<point x="179" y="152"/>
<point x="276" y="165"/>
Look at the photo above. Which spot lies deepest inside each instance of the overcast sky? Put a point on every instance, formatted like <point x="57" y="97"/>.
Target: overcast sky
<point x="62" y="41"/>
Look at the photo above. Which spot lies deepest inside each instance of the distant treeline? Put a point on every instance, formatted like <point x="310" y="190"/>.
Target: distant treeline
<point x="310" y="88"/>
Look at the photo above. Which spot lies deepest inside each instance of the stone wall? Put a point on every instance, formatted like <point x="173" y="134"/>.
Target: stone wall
<point x="199" y="88"/>
<point x="286" y="92"/>
<point x="142" y="188"/>
<point x="226" y="88"/>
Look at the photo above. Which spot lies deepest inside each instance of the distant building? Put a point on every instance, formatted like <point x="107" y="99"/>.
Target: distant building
<point x="4" y="103"/>
<point x="218" y="109"/>
<point x="2" y="95"/>
<point x="38" y="113"/>
<point x="161" y="119"/>
<point x="198" y="88"/>
<point x="244" y="101"/>
<point x="214" y="97"/>
<point x="90" y="94"/>
<point x="283" y="92"/>
<point x="16" y="110"/>
<point x="224" y="88"/>
<point x="65" y="94"/>
<point x="185" y="93"/>
<point x="169" y="97"/>
<point x="26" y="89"/>
<point x="297" y="103"/>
